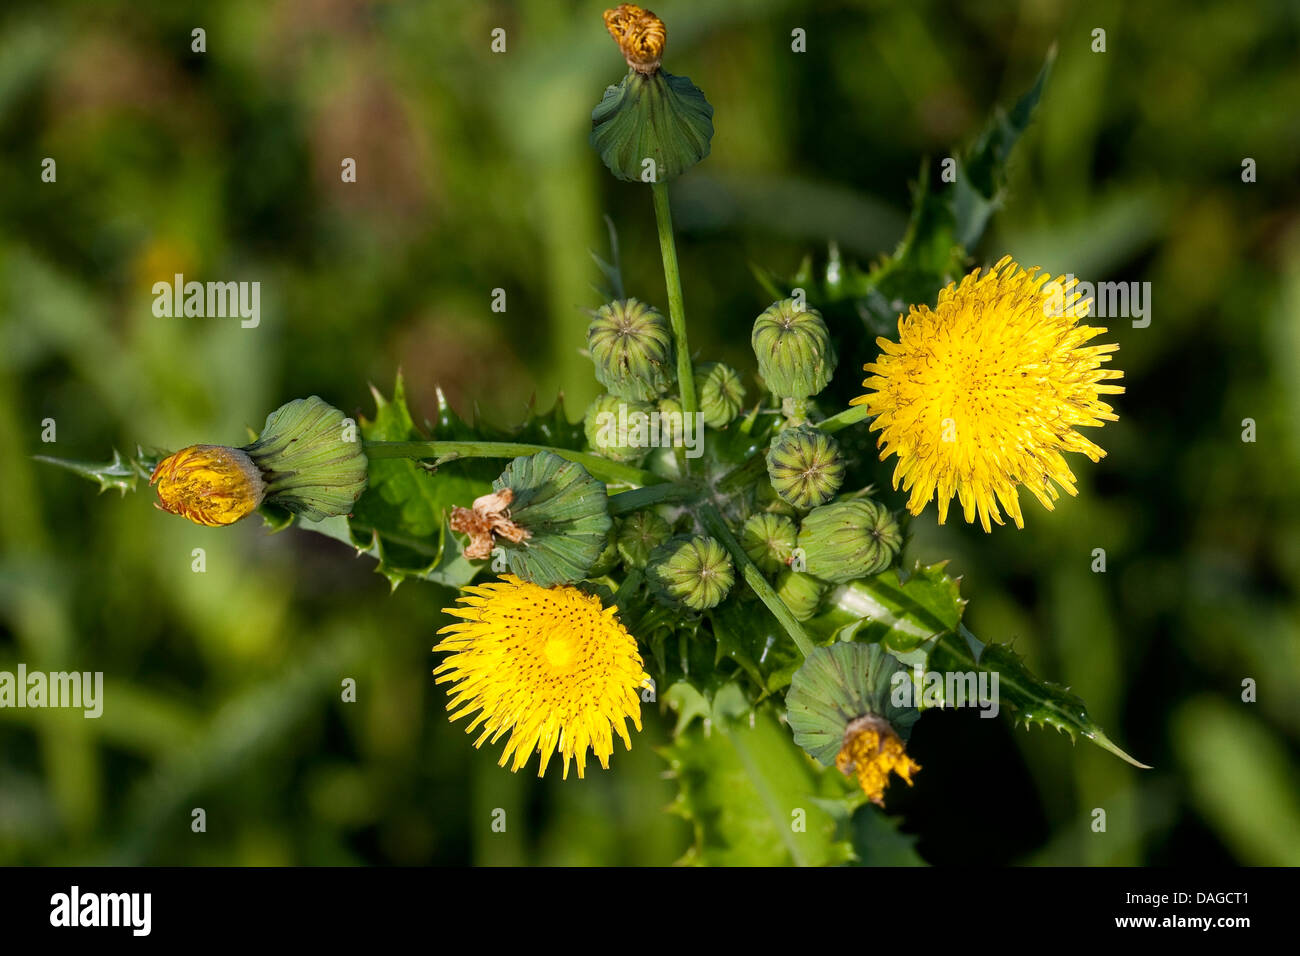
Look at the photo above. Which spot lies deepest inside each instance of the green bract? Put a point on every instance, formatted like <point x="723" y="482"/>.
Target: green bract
<point x="802" y="593"/>
<point x="564" y="511"/>
<point x="769" y="541"/>
<point x="311" y="459"/>
<point x="793" y="348"/>
<point x="720" y="392"/>
<point x="849" y="539"/>
<point x="639" y="534"/>
<point x="632" y="347"/>
<point x="805" y="466"/>
<point x="834" y="687"/>
<point x="696" y="572"/>
<point x="652" y="128"/>
<point x="611" y="425"/>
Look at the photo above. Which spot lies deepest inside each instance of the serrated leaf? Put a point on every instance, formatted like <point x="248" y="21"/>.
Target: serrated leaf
<point x="121" y="473"/>
<point x="982" y="171"/>
<point x="404" y="497"/>
<point x="898" y="610"/>
<point x="1029" y="699"/>
<point x="747" y="633"/>
<point x="917" y="618"/>
<point x="751" y="796"/>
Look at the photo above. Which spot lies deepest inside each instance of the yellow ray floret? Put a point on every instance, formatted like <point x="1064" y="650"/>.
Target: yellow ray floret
<point x="983" y="393"/>
<point x="550" y="665"/>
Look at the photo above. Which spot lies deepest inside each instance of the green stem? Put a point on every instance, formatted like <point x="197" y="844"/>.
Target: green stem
<point x="676" y="310"/>
<point x="850" y="416"/>
<point x="601" y="468"/>
<point x="625" y="501"/>
<point x="717" y="526"/>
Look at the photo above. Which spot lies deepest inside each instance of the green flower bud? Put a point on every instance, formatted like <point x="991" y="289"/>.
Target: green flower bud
<point x="632" y="346"/>
<point x="639" y="534"/>
<point x="696" y="572"/>
<point x="802" y="593"/>
<point x="608" y="559"/>
<point x="720" y="391"/>
<point x="556" y="519"/>
<point x="610" y="424"/>
<point x="769" y="541"/>
<point x="652" y="128"/>
<point x="794" y="351"/>
<point x="805" y="466"/>
<point x="849" y="539"/>
<point x="310" y="459"/>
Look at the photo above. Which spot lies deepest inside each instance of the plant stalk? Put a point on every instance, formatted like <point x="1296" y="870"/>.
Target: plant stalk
<point x="850" y="416"/>
<point x="717" y="526"/>
<point x="676" y="310"/>
<point x="601" y="468"/>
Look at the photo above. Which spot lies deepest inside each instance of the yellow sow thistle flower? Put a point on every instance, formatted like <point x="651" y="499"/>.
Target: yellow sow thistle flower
<point x="984" y="392"/>
<point x="871" y="751"/>
<point x="551" y="666"/>
<point x="210" y="484"/>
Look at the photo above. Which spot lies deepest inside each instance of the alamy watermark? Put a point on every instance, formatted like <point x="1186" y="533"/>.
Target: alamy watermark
<point x="77" y="690"/>
<point x="1110" y="300"/>
<point x="216" y="300"/>
<point x="946" y="689"/>
<point x="636" y="429"/>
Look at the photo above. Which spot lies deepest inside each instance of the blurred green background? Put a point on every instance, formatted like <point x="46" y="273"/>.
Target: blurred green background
<point x="222" y="688"/>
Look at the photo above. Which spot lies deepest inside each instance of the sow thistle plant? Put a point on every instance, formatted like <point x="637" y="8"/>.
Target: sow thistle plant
<point x="755" y="582"/>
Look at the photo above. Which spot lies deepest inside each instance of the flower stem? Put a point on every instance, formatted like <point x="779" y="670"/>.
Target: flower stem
<point x="601" y="468"/>
<point x="676" y="310"/>
<point x="850" y="416"/>
<point x="625" y="501"/>
<point x="717" y="526"/>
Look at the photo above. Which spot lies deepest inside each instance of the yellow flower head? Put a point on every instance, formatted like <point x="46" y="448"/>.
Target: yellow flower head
<point x="210" y="484"/>
<point x="984" y="392"/>
<point x="871" y="750"/>
<point x="550" y="665"/>
<point x="640" y="35"/>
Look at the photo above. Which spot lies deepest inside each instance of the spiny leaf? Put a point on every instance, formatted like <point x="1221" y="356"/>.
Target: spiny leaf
<point x="1029" y="699"/>
<point x="982" y="171"/>
<point x="401" y="520"/>
<point x="751" y="796"/>
<point x="118" y="472"/>
<point x="917" y="618"/>
<point x="898" y="610"/>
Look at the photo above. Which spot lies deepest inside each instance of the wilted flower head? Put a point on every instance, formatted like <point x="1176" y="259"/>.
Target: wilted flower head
<point x="209" y="484"/>
<point x="550" y="666"/>
<point x="984" y="392"/>
<point x="640" y="35"/>
<point x="871" y="751"/>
